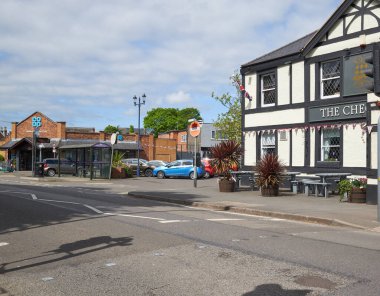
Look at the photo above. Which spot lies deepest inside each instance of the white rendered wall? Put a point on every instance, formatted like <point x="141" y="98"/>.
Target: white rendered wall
<point x="298" y="153"/>
<point x="250" y="150"/>
<point x="373" y="150"/>
<point x="251" y="87"/>
<point x="336" y="31"/>
<point x="298" y="83"/>
<point x="284" y="149"/>
<point x="283" y="97"/>
<point x="312" y="148"/>
<point x="337" y="46"/>
<point x="275" y="118"/>
<point x="355" y="147"/>
<point x="312" y="82"/>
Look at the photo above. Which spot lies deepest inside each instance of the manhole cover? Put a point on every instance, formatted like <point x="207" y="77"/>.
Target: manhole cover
<point x="315" y="282"/>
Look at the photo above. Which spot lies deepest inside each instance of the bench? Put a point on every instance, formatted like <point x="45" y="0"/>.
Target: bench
<point x="314" y="186"/>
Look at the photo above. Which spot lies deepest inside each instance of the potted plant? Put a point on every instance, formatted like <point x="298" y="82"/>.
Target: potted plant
<point x="344" y="189"/>
<point x="270" y="174"/>
<point x="226" y="155"/>
<point x="359" y="190"/>
<point x="118" y="168"/>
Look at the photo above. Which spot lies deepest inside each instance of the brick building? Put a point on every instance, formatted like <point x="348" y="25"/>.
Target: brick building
<point x="16" y="146"/>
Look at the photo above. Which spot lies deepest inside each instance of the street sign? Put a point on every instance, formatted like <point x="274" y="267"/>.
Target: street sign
<point x="195" y="129"/>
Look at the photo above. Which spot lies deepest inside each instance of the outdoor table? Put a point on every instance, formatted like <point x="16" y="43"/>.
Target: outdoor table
<point x="292" y="177"/>
<point x="324" y="176"/>
<point x="237" y="175"/>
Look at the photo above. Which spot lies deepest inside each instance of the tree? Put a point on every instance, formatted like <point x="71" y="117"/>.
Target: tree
<point x="162" y="120"/>
<point x="229" y="122"/>
<point x="110" y="129"/>
<point x="131" y="129"/>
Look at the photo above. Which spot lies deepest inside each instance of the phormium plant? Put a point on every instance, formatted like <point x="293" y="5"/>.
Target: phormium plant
<point x="226" y="155"/>
<point x="269" y="170"/>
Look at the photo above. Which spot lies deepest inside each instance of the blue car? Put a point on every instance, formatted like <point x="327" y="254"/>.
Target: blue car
<point x="178" y="168"/>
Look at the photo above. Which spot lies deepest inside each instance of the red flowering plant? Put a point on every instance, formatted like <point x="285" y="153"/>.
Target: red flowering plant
<point x="359" y="183"/>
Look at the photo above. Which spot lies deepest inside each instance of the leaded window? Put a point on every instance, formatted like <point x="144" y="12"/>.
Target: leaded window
<point x="268" y="143"/>
<point x="330" y="79"/>
<point x="268" y="89"/>
<point x="330" y="144"/>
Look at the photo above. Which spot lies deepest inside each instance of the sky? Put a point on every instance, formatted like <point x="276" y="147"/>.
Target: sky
<point x="83" y="61"/>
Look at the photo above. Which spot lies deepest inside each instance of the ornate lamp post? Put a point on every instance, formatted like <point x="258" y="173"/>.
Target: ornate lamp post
<point x="138" y="102"/>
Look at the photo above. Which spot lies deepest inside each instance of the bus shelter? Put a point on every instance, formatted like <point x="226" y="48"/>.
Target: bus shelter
<point x="91" y="160"/>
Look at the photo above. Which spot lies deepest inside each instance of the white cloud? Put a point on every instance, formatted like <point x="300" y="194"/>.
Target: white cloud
<point x="178" y="97"/>
<point x="82" y="61"/>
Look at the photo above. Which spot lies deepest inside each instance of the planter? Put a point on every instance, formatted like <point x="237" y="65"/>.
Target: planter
<point x="358" y="195"/>
<point x="226" y="185"/>
<point x="118" y="173"/>
<point x="270" y="191"/>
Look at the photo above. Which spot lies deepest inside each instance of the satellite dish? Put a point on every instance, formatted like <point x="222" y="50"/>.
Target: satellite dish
<point x="113" y="139"/>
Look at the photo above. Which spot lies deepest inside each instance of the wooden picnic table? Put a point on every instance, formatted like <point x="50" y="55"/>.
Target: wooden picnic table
<point x="237" y="175"/>
<point x="324" y="176"/>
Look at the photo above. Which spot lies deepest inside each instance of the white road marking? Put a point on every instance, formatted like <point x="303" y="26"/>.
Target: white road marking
<point x="110" y="264"/>
<point x="2" y="244"/>
<point x="45" y="279"/>
<point x="34" y="197"/>
<point x="224" y="219"/>
<point x="94" y="209"/>
<point x="60" y="201"/>
<point x="134" y="216"/>
<point x="173" y="221"/>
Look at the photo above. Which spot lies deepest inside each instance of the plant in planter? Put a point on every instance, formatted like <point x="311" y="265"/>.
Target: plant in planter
<point x="344" y="189"/>
<point x="118" y="168"/>
<point x="359" y="190"/>
<point x="226" y="155"/>
<point x="270" y="170"/>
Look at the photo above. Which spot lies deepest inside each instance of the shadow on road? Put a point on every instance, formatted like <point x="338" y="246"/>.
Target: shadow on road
<point x="67" y="251"/>
<point x="275" y="289"/>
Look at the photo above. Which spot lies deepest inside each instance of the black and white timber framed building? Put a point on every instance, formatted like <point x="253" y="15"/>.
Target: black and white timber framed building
<point x="310" y="101"/>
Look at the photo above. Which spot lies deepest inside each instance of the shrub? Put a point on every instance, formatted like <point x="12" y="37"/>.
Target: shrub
<point x="2" y="158"/>
<point x="226" y="155"/>
<point x="270" y="170"/>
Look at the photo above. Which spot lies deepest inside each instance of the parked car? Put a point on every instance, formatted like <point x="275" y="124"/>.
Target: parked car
<point x="152" y="165"/>
<point x="178" y="168"/>
<point x="132" y="163"/>
<point x="51" y="166"/>
<point x="209" y="172"/>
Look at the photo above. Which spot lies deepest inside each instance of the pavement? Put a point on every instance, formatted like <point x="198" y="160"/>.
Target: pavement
<point x="290" y="206"/>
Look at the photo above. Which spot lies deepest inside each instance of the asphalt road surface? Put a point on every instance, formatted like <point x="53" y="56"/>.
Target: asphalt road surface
<point x="57" y="240"/>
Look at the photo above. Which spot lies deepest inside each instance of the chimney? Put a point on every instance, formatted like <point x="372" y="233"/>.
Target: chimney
<point x="14" y="130"/>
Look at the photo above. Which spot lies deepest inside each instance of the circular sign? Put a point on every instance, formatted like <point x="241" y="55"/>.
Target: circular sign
<point x="113" y="139"/>
<point x="195" y="129"/>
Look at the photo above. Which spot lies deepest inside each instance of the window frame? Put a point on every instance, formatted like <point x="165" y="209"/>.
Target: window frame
<point x="269" y="146"/>
<point x="275" y="88"/>
<point x="321" y="79"/>
<point x="318" y="151"/>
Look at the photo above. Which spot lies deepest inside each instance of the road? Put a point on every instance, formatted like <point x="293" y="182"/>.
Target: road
<point x="82" y="240"/>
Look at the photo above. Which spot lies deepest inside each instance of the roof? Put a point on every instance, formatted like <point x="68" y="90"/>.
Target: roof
<point x="13" y="143"/>
<point x="292" y="48"/>
<point x="80" y="129"/>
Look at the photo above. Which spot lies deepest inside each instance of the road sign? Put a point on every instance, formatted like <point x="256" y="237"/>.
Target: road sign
<point x="195" y="129"/>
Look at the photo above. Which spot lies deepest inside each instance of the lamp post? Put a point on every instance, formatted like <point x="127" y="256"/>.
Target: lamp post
<point x="138" y="102"/>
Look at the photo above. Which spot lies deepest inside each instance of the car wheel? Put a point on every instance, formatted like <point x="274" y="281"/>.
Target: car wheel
<point x="206" y="175"/>
<point x="160" y="175"/>
<point x="148" y="173"/>
<point x="51" y="172"/>
<point x="192" y="177"/>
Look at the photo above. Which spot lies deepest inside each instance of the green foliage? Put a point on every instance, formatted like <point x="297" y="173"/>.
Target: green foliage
<point x="226" y="155"/>
<point x="131" y="129"/>
<point x="359" y="183"/>
<point x="2" y="158"/>
<point x="128" y="171"/>
<point x="116" y="160"/>
<point x="229" y="122"/>
<point x="110" y="129"/>
<point x="270" y="170"/>
<point x="344" y="186"/>
<point x="162" y="120"/>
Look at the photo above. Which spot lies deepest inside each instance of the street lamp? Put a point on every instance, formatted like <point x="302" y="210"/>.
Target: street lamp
<point x="138" y="102"/>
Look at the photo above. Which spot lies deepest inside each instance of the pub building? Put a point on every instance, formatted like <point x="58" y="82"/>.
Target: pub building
<point x="314" y="101"/>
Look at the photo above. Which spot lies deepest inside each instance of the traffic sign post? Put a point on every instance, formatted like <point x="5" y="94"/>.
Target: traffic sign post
<point x="195" y="130"/>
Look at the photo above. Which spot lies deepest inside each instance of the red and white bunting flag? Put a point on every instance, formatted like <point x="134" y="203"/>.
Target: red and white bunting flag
<point x="369" y="128"/>
<point x="353" y="125"/>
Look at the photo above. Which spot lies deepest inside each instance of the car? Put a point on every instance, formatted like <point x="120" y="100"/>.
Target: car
<point x="178" y="168"/>
<point x="209" y="171"/>
<point x="152" y="164"/>
<point x="132" y="163"/>
<point x="51" y="166"/>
